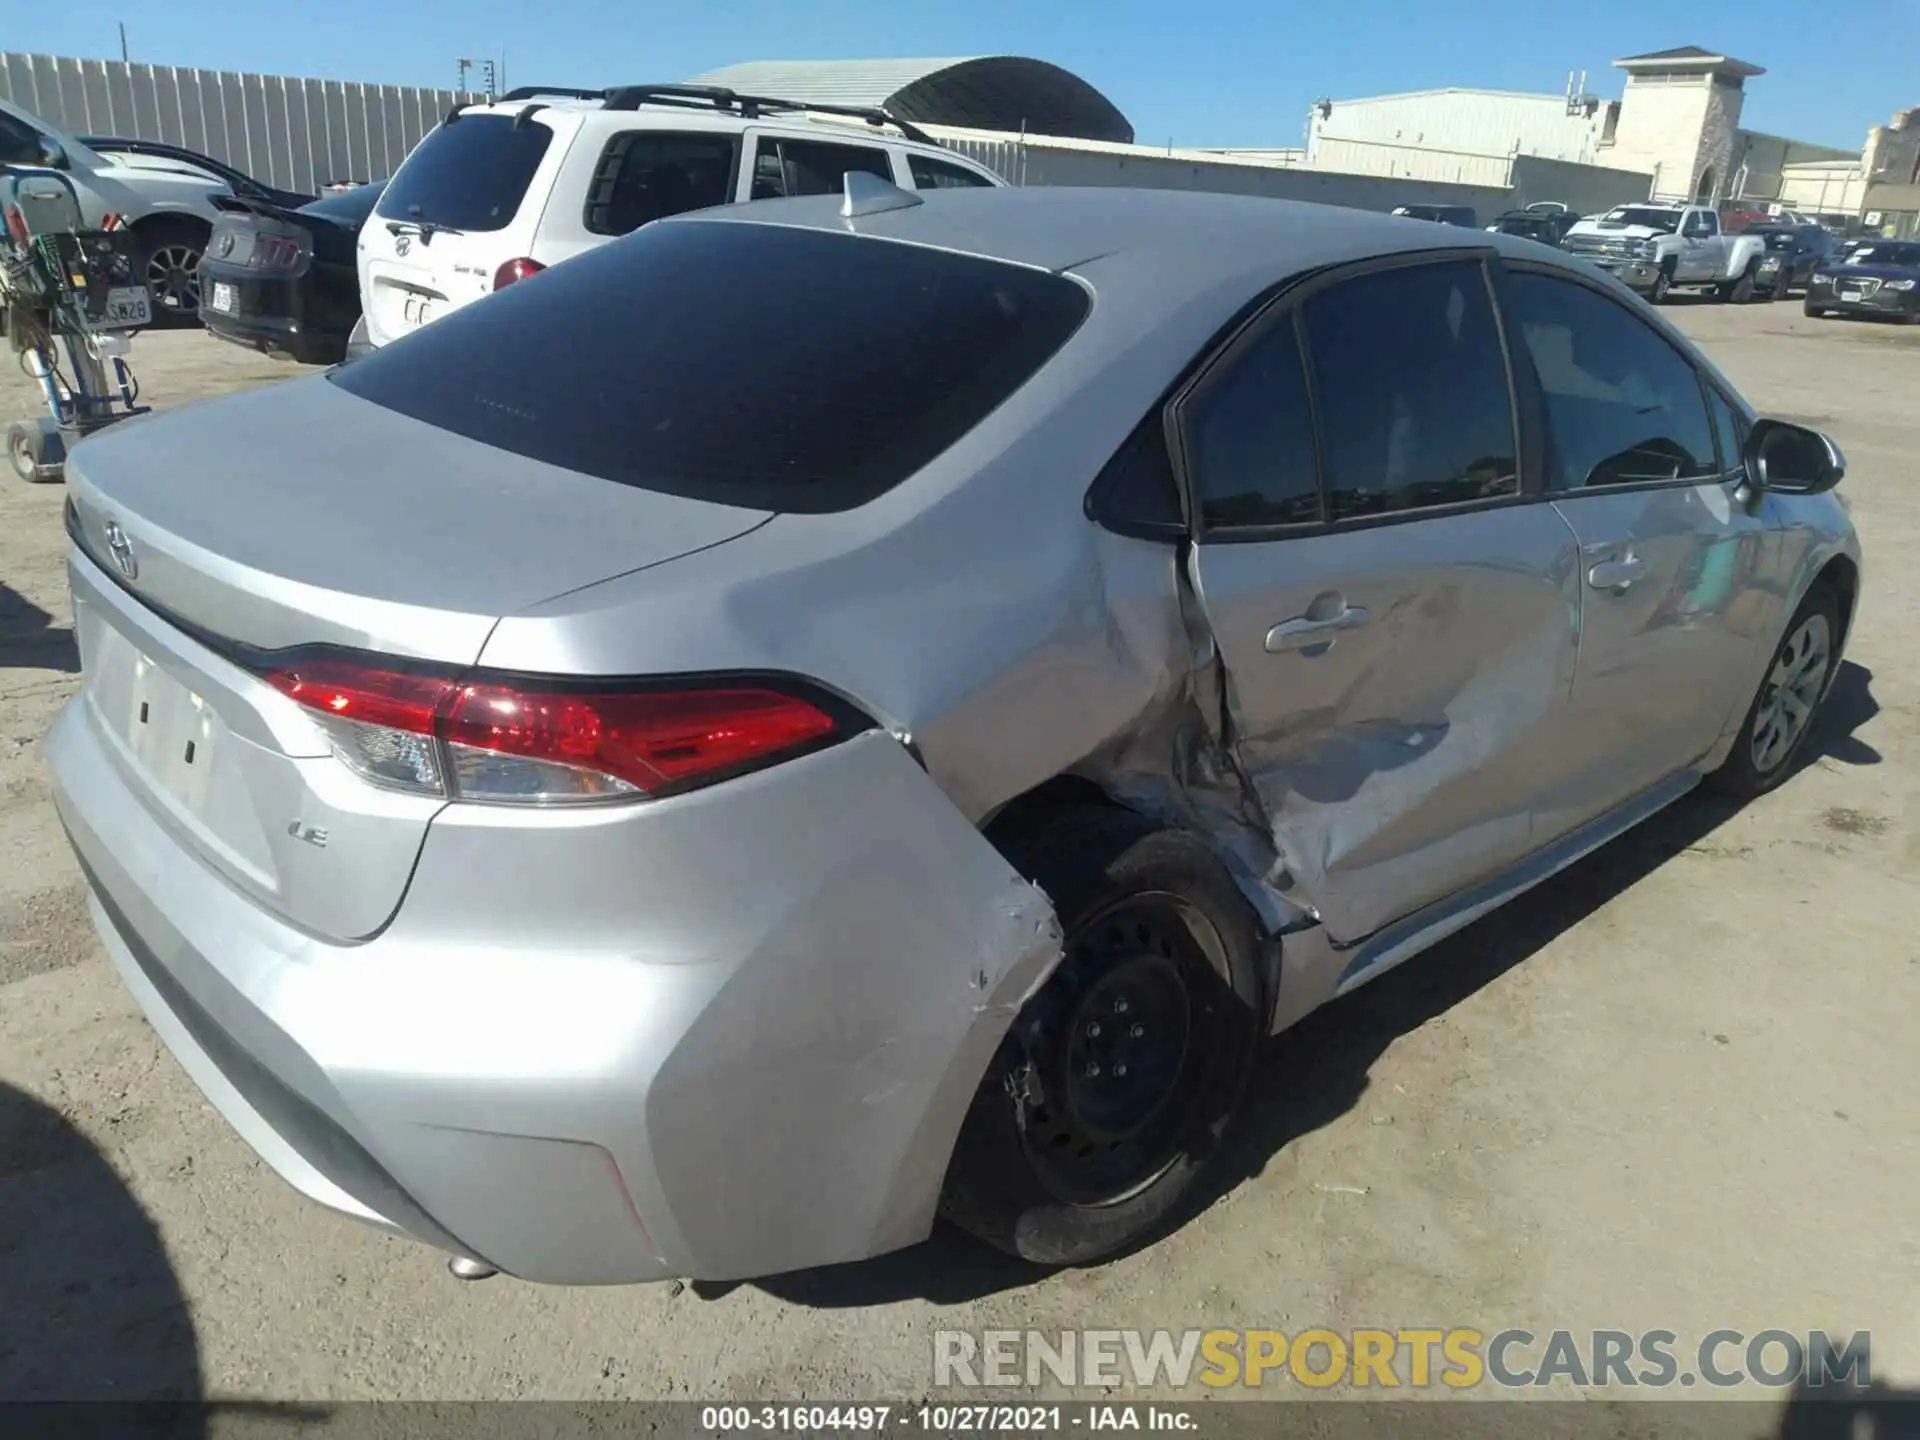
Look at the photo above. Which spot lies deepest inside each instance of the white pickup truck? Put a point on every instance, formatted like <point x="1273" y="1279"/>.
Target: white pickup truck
<point x="1657" y="248"/>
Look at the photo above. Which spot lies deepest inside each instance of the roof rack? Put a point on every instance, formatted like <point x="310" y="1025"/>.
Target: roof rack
<point x="551" y="92"/>
<point x="749" y="107"/>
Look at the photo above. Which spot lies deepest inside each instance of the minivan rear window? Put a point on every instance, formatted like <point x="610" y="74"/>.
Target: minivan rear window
<point x="468" y="175"/>
<point x="765" y="366"/>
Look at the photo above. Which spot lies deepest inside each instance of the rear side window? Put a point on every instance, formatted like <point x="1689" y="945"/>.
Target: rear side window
<point x="1411" y="384"/>
<point x="1250" y="438"/>
<point x="647" y="175"/>
<point x="763" y="366"/>
<point x="1623" y="406"/>
<point x="808" y="167"/>
<point x="469" y="175"/>
<point x="932" y="174"/>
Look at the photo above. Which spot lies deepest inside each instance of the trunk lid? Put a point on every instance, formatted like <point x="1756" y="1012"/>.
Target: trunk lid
<point x="302" y="515"/>
<point x="466" y="200"/>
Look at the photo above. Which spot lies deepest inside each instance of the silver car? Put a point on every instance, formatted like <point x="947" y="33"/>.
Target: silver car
<point x="830" y="713"/>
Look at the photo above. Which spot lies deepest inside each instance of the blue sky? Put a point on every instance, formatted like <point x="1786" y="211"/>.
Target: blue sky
<point x="1230" y="72"/>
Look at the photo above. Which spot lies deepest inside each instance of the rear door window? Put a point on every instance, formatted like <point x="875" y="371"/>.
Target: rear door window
<point x="649" y="174"/>
<point x="764" y="366"/>
<point x="812" y="167"/>
<point x="469" y="175"/>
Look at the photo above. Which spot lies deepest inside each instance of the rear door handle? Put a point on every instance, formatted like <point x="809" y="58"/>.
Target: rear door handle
<point x="1616" y="574"/>
<point x="1303" y="631"/>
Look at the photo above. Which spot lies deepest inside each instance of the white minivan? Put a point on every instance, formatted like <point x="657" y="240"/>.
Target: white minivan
<point x="500" y="191"/>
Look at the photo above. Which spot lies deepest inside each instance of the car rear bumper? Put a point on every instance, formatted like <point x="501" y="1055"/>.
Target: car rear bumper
<point x="291" y="316"/>
<point x="718" y="1036"/>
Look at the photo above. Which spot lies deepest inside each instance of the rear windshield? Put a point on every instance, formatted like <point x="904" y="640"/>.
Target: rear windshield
<point x="469" y="175"/>
<point x="764" y="366"/>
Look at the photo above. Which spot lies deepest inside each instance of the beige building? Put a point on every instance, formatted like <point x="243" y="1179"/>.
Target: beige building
<point x="1677" y="122"/>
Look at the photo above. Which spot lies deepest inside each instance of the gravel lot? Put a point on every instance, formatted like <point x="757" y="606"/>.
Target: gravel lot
<point x="1678" y="1087"/>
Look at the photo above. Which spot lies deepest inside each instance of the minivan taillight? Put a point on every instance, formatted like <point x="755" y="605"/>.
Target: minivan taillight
<point x="513" y="270"/>
<point x="530" y="741"/>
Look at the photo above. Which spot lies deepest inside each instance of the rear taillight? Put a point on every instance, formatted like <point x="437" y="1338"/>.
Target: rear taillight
<point x="275" y="252"/>
<point x="514" y="270"/>
<point x="509" y="740"/>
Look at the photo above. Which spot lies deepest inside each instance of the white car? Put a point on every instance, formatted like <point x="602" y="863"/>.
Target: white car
<point x="503" y="190"/>
<point x="170" y="210"/>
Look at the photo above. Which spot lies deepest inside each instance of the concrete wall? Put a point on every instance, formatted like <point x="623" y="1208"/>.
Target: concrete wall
<point x="1484" y="122"/>
<point x="1587" y="188"/>
<point x="1824" y="189"/>
<point x="1046" y="160"/>
<point x="294" y="133"/>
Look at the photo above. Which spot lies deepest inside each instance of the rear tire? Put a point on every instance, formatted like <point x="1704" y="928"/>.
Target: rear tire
<point x="1738" y="292"/>
<point x="1113" y="1088"/>
<point x="171" y="248"/>
<point x="1784" y="711"/>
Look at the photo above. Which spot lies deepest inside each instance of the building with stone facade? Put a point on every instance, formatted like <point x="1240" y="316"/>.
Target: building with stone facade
<point x="1677" y="121"/>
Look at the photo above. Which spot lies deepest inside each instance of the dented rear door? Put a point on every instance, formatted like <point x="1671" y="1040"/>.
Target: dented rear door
<point x="1396" y="618"/>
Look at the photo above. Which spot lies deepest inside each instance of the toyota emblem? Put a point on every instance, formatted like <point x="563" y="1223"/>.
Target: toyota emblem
<point x="122" y="550"/>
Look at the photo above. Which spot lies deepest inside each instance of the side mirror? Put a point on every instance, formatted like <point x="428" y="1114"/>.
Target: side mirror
<point x="1791" y="459"/>
<point x="53" y="154"/>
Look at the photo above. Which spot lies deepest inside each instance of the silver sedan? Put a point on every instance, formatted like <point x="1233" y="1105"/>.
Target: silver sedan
<point x="828" y="713"/>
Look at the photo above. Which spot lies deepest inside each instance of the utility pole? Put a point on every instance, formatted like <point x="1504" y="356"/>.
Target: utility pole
<point x="465" y="66"/>
<point x="123" y="42"/>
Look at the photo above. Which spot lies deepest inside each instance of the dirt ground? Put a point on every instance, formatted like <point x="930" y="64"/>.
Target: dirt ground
<point x="1676" y="1088"/>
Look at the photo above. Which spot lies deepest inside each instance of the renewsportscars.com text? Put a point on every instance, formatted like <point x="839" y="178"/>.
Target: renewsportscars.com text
<point x="1457" y="1358"/>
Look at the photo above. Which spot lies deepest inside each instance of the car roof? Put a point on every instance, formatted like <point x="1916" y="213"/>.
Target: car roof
<point x="594" y="112"/>
<point x="1197" y="239"/>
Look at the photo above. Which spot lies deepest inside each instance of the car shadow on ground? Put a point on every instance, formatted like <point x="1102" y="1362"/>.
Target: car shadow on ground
<point x="1318" y="1070"/>
<point x="90" y="1308"/>
<point x="30" y="640"/>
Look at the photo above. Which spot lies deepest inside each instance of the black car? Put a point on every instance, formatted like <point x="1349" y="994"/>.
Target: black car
<point x="1548" y="227"/>
<point x="238" y="181"/>
<point x="1874" y="277"/>
<point x="285" y="281"/>
<point x="1792" y="254"/>
<point x="1443" y="214"/>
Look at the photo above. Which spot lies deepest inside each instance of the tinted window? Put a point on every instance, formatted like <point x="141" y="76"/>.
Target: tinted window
<point x="646" y="175"/>
<point x="808" y="167"/>
<point x="470" y="175"/>
<point x="1250" y="438"/>
<point x="1412" y="391"/>
<point x="349" y="207"/>
<point x="754" y="365"/>
<point x="1623" y="405"/>
<point x="1728" y="429"/>
<point x="931" y="174"/>
<point x="1885" y="252"/>
<point x="19" y="142"/>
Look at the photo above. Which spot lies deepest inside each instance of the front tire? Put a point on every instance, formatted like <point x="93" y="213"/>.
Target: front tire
<point x="1782" y="714"/>
<point x="1662" y="284"/>
<point x="1807" y="307"/>
<point x="1110" y="1094"/>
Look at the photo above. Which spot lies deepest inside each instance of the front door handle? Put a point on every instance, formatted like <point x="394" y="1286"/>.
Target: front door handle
<point x="1618" y="574"/>
<point x="1303" y="631"/>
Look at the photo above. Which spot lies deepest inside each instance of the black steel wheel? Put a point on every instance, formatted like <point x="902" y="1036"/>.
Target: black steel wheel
<point x="1112" y="1089"/>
